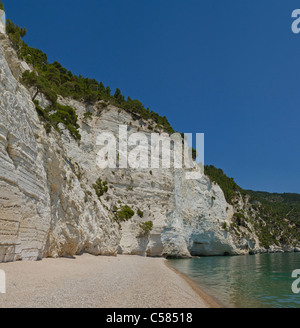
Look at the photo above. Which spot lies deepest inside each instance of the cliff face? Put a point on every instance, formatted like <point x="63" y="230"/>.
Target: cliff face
<point x="187" y="215"/>
<point x="43" y="210"/>
<point x="25" y="201"/>
<point x="48" y="206"/>
<point x="2" y="21"/>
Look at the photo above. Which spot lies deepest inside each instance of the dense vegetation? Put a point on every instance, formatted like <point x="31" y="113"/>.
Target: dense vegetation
<point x="275" y="217"/>
<point x="1" y="5"/>
<point x="52" y="79"/>
<point x="286" y="205"/>
<point x="281" y="214"/>
<point x="229" y="187"/>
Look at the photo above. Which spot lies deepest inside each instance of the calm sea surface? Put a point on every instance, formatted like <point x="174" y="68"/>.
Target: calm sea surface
<point x="246" y="281"/>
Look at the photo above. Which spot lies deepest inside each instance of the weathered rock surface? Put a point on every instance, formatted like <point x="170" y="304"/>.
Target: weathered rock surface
<point x="43" y="206"/>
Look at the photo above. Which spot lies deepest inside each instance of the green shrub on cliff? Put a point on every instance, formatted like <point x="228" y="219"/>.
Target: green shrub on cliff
<point x="55" y="114"/>
<point x="240" y="219"/>
<point x="140" y="213"/>
<point x="100" y="187"/>
<point x="146" y="227"/>
<point x="125" y="214"/>
<point x="67" y="116"/>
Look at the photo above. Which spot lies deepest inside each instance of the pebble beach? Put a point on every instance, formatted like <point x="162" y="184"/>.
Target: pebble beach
<point x="86" y="281"/>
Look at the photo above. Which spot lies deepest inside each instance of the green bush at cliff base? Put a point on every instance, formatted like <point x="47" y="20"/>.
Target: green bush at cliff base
<point x="146" y="227"/>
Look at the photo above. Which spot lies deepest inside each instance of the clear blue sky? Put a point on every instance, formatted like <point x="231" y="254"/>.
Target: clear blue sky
<point x="229" y="69"/>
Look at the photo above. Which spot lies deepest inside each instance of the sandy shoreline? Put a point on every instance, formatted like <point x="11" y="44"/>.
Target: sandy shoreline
<point x="124" y="281"/>
<point x="210" y="301"/>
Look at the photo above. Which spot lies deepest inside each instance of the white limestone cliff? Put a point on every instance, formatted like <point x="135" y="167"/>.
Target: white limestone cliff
<point x="48" y="206"/>
<point x="2" y="21"/>
<point x="43" y="210"/>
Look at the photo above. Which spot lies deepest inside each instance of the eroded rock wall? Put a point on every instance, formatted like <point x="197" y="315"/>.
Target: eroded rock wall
<point x="48" y="206"/>
<point x="44" y="210"/>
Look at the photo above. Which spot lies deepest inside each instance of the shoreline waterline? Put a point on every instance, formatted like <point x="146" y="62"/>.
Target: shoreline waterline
<point x="211" y="301"/>
<point x="256" y="281"/>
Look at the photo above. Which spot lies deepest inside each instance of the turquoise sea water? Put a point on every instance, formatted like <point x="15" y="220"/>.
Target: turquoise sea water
<point x="256" y="281"/>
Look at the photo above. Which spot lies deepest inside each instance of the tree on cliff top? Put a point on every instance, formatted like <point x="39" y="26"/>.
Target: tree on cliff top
<point x="15" y="34"/>
<point x="53" y="80"/>
<point x="31" y="79"/>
